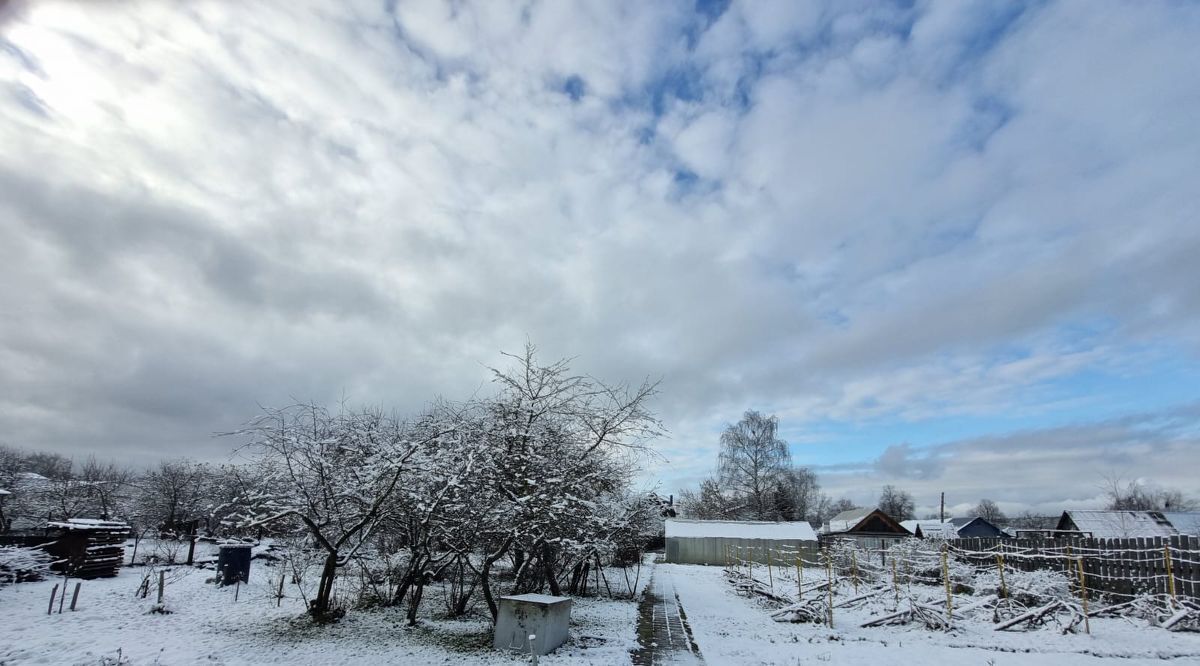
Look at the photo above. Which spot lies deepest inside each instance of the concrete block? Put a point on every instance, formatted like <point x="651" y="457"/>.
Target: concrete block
<point x="540" y="615"/>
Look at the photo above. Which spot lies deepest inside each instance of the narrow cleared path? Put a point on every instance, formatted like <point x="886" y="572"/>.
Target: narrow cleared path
<point x="663" y="631"/>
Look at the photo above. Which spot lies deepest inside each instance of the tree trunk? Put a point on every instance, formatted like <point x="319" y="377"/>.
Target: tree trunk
<point x="321" y="606"/>
<point x="414" y="599"/>
<point x="576" y="572"/>
<point x="485" y="582"/>
<point x="415" y="564"/>
<point x="548" y="568"/>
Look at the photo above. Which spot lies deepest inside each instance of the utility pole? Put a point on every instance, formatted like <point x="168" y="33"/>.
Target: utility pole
<point x="942" y="512"/>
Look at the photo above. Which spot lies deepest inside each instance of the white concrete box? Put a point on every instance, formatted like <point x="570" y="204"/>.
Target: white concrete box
<point x="541" y="615"/>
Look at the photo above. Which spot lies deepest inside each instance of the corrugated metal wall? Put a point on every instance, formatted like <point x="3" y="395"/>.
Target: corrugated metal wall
<point x="711" y="550"/>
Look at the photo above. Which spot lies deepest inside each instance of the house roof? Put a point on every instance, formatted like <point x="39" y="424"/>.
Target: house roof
<point x="1119" y="524"/>
<point x="931" y="528"/>
<point x="740" y="529"/>
<point x="848" y="521"/>
<point x="1183" y="522"/>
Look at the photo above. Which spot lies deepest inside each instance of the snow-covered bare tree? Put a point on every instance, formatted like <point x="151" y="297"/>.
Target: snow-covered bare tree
<point x="553" y="448"/>
<point x="752" y="462"/>
<point x="108" y="485"/>
<point x="708" y="502"/>
<point x="171" y="495"/>
<point x="989" y="511"/>
<point x="335" y="475"/>
<point x="896" y="503"/>
<point x="1140" y="495"/>
<point x="798" y="494"/>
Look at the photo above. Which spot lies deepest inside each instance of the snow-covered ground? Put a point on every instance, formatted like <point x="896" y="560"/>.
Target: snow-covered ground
<point x="733" y="629"/>
<point x="208" y="626"/>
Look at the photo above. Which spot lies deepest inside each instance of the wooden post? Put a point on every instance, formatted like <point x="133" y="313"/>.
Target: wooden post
<point x="854" y="569"/>
<point x="770" y="574"/>
<point x="279" y="594"/>
<point x="799" y="573"/>
<point x="237" y="589"/>
<point x="1003" y="587"/>
<point x="1067" y="563"/>
<point x="162" y="582"/>
<point x="63" y="599"/>
<point x="1170" y="572"/>
<point x="74" y="597"/>
<point x="946" y="577"/>
<point x="50" y="608"/>
<point x="750" y="568"/>
<point x="1087" y="626"/>
<point x="829" y="578"/>
<point x="895" y="587"/>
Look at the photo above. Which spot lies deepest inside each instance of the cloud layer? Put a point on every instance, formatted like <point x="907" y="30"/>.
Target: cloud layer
<point x="842" y="213"/>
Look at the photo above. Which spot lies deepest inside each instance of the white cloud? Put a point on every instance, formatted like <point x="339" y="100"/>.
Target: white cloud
<point x="210" y="206"/>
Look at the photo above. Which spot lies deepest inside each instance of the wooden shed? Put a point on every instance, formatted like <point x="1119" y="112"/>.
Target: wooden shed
<point x="706" y="541"/>
<point x="1113" y="524"/>
<point x="87" y="548"/>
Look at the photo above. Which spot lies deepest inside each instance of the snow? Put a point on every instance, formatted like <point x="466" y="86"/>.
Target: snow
<point x="544" y="599"/>
<point x="88" y="524"/>
<point x="206" y="624"/>
<point x="734" y="629"/>
<point x="847" y="519"/>
<point x="1185" y="523"/>
<point x="734" y="529"/>
<point x="931" y="528"/>
<point x="1122" y="524"/>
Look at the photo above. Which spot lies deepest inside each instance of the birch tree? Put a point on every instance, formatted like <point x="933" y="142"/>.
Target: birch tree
<point x="753" y="462"/>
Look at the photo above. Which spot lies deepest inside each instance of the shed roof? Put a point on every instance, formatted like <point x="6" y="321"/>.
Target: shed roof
<point x="1119" y="524"/>
<point x="88" y="524"/>
<point x="1184" y="522"/>
<point x="740" y="529"/>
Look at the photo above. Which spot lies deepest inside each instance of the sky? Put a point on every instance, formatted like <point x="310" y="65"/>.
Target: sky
<point x="953" y="246"/>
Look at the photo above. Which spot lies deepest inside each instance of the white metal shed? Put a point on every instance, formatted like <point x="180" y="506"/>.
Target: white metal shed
<point x="706" y="541"/>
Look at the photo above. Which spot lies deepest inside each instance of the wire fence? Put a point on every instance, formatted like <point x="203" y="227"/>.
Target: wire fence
<point x="1086" y="574"/>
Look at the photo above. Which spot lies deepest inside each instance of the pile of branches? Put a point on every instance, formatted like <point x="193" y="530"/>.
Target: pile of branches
<point x="813" y="606"/>
<point x="1158" y="610"/>
<point x="1067" y="615"/>
<point x="20" y="564"/>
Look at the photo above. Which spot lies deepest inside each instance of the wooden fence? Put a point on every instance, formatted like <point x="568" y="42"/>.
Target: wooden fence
<point x="1114" y="567"/>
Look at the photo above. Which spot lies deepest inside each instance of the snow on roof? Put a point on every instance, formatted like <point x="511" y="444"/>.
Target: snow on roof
<point x="845" y="520"/>
<point x="740" y="529"/>
<point x="1122" y="524"/>
<point x="1184" y="523"/>
<point x="4" y="492"/>
<point x="88" y="524"/>
<point x="931" y="528"/>
<point x="540" y="599"/>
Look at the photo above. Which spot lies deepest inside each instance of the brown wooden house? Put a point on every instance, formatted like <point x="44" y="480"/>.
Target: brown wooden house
<point x="868" y="528"/>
